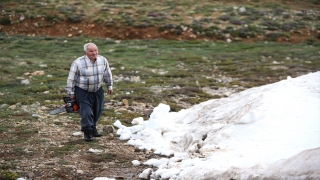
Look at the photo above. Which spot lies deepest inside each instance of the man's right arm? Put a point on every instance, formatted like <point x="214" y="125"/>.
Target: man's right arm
<point x="71" y="80"/>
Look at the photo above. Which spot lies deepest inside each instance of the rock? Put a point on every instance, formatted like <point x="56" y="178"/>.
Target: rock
<point x="12" y="107"/>
<point x="37" y="73"/>
<point x="125" y="102"/>
<point x="77" y="134"/>
<point x="110" y="136"/>
<point x="25" y="81"/>
<point x="108" y="129"/>
<point x="95" y="151"/>
<point x="135" y="78"/>
<point x="22" y="17"/>
<point x="80" y="172"/>
<point x="242" y="9"/>
<point x="30" y="175"/>
<point x="43" y="65"/>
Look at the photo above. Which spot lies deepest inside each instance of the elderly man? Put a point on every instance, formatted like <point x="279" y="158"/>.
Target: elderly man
<point x="84" y="83"/>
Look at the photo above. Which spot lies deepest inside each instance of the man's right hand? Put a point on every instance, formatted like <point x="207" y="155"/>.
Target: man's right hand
<point x="71" y="96"/>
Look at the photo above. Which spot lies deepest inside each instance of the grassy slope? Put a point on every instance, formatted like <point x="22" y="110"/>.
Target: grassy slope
<point x="211" y="19"/>
<point x="190" y="65"/>
<point x="186" y="64"/>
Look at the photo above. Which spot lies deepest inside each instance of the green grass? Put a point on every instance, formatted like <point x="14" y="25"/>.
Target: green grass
<point x="183" y="63"/>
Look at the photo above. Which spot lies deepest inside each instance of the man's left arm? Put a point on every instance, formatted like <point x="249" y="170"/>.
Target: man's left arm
<point x="107" y="77"/>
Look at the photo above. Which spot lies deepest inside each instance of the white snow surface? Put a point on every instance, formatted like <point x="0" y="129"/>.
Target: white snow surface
<point x="272" y="131"/>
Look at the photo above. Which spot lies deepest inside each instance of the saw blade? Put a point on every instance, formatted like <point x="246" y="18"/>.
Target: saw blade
<point x="57" y="111"/>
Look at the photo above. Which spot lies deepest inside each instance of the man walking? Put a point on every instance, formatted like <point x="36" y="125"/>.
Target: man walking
<point x="84" y="84"/>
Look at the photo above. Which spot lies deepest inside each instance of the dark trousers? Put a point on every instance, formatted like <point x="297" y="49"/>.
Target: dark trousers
<point x="91" y="106"/>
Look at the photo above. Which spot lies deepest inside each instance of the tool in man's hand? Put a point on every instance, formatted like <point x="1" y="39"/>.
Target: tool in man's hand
<point x="70" y="107"/>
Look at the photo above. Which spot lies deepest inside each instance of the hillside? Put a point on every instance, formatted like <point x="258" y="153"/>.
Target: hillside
<point x="163" y="51"/>
<point x="284" y="21"/>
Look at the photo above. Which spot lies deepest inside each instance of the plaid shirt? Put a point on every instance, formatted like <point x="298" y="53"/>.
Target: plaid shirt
<point x="89" y="76"/>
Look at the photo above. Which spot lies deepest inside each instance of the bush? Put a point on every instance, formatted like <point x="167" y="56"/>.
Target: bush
<point x="51" y="18"/>
<point x="74" y="18"/>
<point x="236" y="22"/>
<point x="274" y="36"/>
<point x="315" y="1"/>
<point x="5" y="21"/>
<point x="317" y="26"/>
<point x="224" y="18"/>
<point x="311" y="41"/>
<point x="8" y="175"/>
<point x="269" y="25"/>
<point x="289" y="26"/>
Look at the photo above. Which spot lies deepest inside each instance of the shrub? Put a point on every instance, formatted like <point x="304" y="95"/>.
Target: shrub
<point x="51" y="18"/>
<point x="289" y="26"/>
<point x="315" y="1"/>
<point x="243" y="33"/>
<point x="269" y="25"/>
<point x="8" y="175"/>
<point x="206" y="20"/>
<point x="317" y="26"/>
<point x="311" y="41"/>
<point x="224" y="18"/>
<point x="236" y="22"/>
<point x="228" y="29"/>
<point x="196" y="27"/>
<point x="66" y="9"/>
<point x="74" y="18"/>
<point x="5" y="21"/>
<point x="273" y="36"/>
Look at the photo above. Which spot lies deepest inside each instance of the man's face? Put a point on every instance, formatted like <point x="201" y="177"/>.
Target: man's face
<point x="92" y="52"/>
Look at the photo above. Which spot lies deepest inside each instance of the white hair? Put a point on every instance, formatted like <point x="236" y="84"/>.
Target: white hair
<point x="85" y="47"/>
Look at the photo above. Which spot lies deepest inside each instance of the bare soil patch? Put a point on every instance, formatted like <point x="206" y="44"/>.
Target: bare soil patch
<point x="39" y="27"/>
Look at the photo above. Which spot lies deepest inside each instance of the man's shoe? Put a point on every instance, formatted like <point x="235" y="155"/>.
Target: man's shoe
<point x="95" y="133"/>
<point x="87" y="135"/>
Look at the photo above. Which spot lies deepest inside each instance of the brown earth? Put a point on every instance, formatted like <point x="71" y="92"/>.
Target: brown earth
<point x="39" y="27"/>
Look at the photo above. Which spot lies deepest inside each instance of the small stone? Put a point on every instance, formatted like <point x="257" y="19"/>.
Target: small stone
<point x="110" y="136"/>
<point x="43" y="65"/>
<point x="77" y="134"/>
<point x="108" y="129"/>
<point x="25" y="81"/>
<point x="80" y="172"/>
<point x="12" y="107"/>
<point x="30" y="175"/>
<point x="125" y="102"/>
<point x="37" y="73"/>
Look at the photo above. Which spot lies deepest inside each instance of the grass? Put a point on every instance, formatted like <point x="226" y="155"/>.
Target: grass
<point x="182" y="62"/>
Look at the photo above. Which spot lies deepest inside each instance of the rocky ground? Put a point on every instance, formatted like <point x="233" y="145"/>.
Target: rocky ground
<point x="37" y="145"/>
<point x="52" y="147"/>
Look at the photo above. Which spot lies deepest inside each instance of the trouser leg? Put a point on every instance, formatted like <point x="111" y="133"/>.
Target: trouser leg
<point x="98" y="106"/>
<point x="86" y="114"/>
<point x="91" y="106"/>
